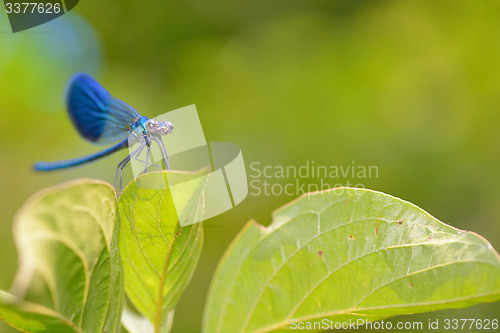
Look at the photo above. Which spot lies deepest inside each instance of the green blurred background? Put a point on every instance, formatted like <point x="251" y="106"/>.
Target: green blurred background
<point x="412" y="87"/>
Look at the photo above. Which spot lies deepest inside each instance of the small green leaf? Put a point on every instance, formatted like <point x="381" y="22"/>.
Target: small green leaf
<point x="159" y="256"/>
<point x="347" y="254"/>
<point x="29" y="317"/>
<point x="69" y="236"/>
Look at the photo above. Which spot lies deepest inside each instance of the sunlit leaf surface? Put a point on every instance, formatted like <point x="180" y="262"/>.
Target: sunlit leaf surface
<point x="347" y="254"/>
<point x="69" y="236"/>
<point x="159" y="256"/>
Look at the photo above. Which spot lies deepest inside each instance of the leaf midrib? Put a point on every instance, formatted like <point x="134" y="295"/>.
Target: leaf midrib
<point x="159" y="301"/>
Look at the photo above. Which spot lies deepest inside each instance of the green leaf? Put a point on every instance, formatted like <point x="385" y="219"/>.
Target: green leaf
<point x="68" y="235"/>
<point x="159" y="256"/>
<point x="29" y="317"/>
<point x="347" y="254"/>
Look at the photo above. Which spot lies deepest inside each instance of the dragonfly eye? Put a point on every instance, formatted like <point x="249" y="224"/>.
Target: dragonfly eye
<point x="165" y="127"/>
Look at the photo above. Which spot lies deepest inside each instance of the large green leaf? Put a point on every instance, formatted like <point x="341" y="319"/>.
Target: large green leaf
<point x="347" y="254"/>
<point x="159" y="256"/>
<point x="68" y="235"/>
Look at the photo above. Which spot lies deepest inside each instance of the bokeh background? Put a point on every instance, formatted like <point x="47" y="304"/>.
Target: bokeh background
<point x="412" y="87"/>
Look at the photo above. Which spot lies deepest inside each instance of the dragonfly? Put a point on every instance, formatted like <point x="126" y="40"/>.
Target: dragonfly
<point x="103" y="119"/>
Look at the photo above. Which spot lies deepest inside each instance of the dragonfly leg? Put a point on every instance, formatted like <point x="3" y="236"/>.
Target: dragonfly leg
<point x="123" y="164"/>
<point x="146" y="162"/>
<point x="160" y="165"/>
<point x="147" y="158"/>
<point x="163" y="150"/>
<point x="119" y="170"/>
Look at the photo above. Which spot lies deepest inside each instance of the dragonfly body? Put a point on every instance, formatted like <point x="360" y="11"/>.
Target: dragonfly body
<point x="49" y="166"/>
<point x="103" y="119"/>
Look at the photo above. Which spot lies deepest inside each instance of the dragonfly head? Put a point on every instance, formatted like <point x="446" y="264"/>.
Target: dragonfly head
<point x="155" y="127"/>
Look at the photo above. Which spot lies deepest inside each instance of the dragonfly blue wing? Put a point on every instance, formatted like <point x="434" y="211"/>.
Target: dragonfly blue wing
<point x="98" y="116"/>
